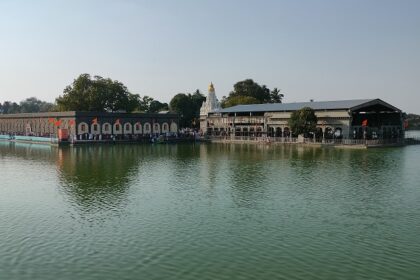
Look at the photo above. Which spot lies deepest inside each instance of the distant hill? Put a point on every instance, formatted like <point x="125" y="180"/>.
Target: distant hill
<point x="413" y="122"/>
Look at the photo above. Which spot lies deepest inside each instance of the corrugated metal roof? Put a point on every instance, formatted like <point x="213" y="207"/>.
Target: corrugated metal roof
<point x="316" y="105"/>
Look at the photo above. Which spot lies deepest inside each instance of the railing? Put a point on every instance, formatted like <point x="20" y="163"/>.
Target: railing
<point x="354" y="142"/>
<point x="255" y="139"/>
<point x="373" y="142"/>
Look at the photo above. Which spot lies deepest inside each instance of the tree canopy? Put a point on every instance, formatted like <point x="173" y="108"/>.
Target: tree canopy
<point x="303" y="121"/>
<point x="157" y="106"/>
<point x="29" y="105"/>
<point x="188" y="106"/>
<point x="238" y="100"/>
<point x="97" y="94"/>
<point x="34" y="105"/>
<point x="250" y="92"/>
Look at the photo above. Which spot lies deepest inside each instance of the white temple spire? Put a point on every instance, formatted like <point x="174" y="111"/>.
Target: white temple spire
<point x="211" y="104"/>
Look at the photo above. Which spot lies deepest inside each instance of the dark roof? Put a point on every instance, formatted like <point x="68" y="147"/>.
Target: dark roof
<point x="70" y="114"/>
<point x="316" y="105"/>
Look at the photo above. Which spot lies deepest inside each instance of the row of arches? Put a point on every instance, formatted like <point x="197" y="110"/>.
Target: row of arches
<point x="126" y="128"/>
<point x="327" y="132"/>
<point x="278" y="132"/>
<point x="249" y="131"/>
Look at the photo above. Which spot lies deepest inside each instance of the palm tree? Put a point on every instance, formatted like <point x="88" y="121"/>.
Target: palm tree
<point x="276" y="96"/>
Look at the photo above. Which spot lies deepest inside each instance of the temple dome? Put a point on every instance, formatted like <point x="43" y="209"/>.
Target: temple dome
<point x="211" y="87"/>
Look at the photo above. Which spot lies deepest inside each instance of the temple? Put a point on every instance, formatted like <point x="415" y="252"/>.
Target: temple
<point x="346" y="119"/>
<point x="210" y="105"/>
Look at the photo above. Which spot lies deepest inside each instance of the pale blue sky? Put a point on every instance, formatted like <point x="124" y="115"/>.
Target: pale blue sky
<point x="322" y="50"/>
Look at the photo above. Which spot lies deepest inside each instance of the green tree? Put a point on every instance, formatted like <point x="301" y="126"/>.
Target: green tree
<point x="97" y="94"/>
<point x="276" y="96"/>
<point x="247" y="91"/>
<point x="156" y="106"/>
<point x="9" y="107"/>
<point x="238" y="100"/>
<point x="188" y="108"/>
<point x="144" y="103"/>
<point x="251" y="89"/>
<point x="303" y="121"/>
<point x="34" y="105"/>
<point x="181" y="104"/>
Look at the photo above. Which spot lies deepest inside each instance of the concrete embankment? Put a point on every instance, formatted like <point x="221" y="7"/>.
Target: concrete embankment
<point x="342" y="143"/>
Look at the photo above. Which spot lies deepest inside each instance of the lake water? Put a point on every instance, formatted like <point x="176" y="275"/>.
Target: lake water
<point x="208" y="212"/>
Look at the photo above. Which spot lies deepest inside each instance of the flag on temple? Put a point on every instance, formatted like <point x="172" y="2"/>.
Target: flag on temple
<point x="406" y="124"/>
<point x="117" y="121"/>
<point x="95" y="121"/>
<point x="365" y="123"/>
<point x="72" y="122"/>
<point x="51" y="120"/>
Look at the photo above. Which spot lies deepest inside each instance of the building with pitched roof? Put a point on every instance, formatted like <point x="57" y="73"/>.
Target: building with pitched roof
<point x="348" y="119"/>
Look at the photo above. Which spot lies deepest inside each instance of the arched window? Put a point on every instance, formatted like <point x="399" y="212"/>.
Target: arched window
<point x="106" y="128"/>
<point x="156" y="128"/>
<point x="174" y="127"/>
<point x="137" y="128"/>
<point x="127" y="128"/>
<point x="146" y="128"/>
<point x="95" y="128"/>
<point x="82" y="128"/>
<point x="117" y="128"/>
<point x="165" y="128"/>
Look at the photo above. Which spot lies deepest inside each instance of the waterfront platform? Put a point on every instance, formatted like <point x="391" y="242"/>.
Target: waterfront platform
<point x="337" y="143"/>
<point x="56" y="142"/>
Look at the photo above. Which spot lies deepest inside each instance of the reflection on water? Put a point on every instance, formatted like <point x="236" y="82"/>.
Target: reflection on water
<point x="96" y="178"/>
<point x="208" y="212"/>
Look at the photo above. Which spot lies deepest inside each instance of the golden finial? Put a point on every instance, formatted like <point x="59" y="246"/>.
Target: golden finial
<point x="211" y="87"/>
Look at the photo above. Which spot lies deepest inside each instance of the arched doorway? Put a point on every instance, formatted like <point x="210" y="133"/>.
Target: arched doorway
<point x="286" y="132"/>
<point x="271" y="131"/>
<point x="259" y="131"/>
<point x="338" y="133"/>
<point x="329" y="133"/>
<point x="245" y="131"/>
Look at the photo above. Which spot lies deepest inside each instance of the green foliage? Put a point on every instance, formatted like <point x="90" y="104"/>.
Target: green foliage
<point x="237" y="100"/>
<point x="29" y="105"/>
<point x="250" y="92"/>
<point x="188" y="107"/>
<point x="97" y="94"/>
<point x="303" y="121"/>
<point x="144" y="103"/>
<point x="276" y="96"/>
<point x="9" y="107"/>
<point x="156" y="106"/>
<point x="34" y="105"/>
